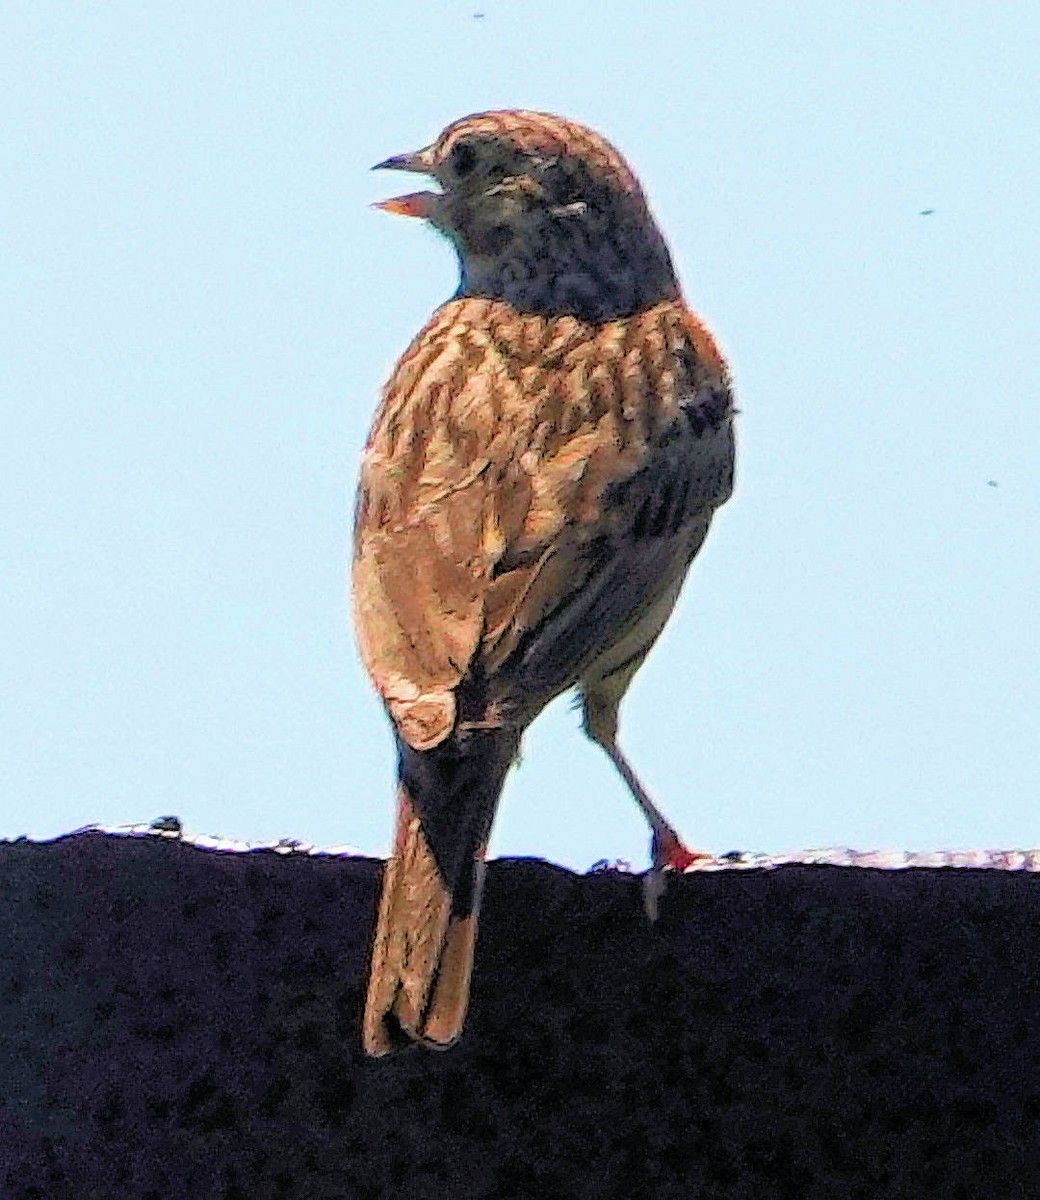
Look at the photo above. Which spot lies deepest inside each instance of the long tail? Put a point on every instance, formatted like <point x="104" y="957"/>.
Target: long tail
<point x="426" y="927"/>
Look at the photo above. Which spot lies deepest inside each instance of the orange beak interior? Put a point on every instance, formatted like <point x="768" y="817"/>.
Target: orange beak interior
<point x="415" y="204"/>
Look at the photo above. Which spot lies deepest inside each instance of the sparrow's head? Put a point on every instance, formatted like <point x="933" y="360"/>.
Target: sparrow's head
<point x="544" y="213"/>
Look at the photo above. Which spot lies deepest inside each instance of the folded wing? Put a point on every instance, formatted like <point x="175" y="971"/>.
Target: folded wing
<point x="530" y="488"/>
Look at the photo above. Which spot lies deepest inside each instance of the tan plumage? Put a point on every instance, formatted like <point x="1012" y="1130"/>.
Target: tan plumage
<point x="542" y="469"/>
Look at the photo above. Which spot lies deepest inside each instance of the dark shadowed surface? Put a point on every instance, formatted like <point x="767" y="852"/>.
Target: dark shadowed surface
<point x="183" y="1023"/>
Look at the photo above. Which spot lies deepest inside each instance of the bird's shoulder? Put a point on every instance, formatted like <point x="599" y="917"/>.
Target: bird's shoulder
<point x="553" y="410"/>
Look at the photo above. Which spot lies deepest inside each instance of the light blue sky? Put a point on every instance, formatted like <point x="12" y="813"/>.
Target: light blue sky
<point x="198" y="310"/>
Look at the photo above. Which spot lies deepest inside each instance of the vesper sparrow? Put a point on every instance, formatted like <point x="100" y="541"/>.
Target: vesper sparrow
<point x="542" y="469"/>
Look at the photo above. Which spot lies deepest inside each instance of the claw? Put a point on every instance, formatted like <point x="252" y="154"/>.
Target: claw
<point x="654" y="886"/>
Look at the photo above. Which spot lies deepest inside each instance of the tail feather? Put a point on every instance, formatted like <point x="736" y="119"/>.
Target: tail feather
<point x="426" y="926"/>
<point x="450" y="999"/>
<point x="411" y="928"/>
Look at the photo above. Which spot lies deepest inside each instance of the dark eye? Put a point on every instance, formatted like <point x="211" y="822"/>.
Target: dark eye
<point x="463" y="158"/>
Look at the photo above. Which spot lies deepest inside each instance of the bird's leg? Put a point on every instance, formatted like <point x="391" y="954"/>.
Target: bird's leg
<point x="669" y="853"/>
<point x="668" y="850"/>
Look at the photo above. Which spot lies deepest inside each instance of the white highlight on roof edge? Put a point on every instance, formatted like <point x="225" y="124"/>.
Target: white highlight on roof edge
<point x="171" y="829"/>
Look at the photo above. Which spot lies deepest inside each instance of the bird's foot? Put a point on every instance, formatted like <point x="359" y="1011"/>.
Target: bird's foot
<point x="669" y="854"/>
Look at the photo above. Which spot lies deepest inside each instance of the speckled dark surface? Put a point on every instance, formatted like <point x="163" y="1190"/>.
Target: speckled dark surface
<point x="182" y="1023"/>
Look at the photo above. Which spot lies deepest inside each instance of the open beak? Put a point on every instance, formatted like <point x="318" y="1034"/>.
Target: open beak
<point x="415" y="204"/>
<point x="415" y="162"/>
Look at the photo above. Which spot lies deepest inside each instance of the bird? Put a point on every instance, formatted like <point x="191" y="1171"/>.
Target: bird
<point x="543" y="466"/>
